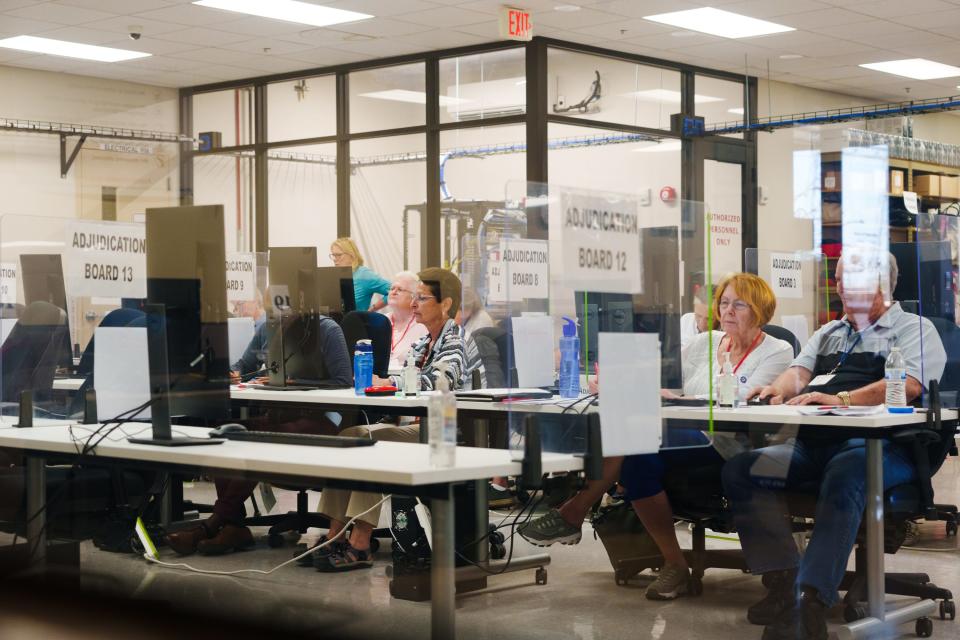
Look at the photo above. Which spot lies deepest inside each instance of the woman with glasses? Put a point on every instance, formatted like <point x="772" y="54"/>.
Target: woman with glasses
<point x="742" y="304"/>
<point x="366" y="282"/>
<point x="406" y="330"/>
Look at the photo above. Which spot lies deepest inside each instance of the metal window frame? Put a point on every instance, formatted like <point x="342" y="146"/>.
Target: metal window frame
<point x="536" y="120"/>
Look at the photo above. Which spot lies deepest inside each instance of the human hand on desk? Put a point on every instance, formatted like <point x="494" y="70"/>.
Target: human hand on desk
<point x="814" y="397"/>
<point x="381" y="382"/>
<point x="666" y="394"/>
<point x="234" y="377"/>
<point x="769" y="393"/>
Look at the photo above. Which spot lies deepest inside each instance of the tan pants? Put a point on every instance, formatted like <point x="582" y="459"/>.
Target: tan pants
<point x="343" y="504"/>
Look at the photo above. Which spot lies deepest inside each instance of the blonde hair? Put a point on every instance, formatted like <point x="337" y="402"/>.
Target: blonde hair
<point x="349" y="247"/>
<point x="753" y="290"/>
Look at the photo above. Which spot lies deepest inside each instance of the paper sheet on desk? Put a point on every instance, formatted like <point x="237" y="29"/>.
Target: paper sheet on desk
<point x="630" y="389"/>
<point x="239" y="334"/>
<point x="533" y="347"/>
<point x="121" y="374"/>
<point x="853" y="411"/>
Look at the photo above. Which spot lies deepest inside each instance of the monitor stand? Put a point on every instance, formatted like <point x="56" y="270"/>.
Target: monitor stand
<point x="160" y="385"/>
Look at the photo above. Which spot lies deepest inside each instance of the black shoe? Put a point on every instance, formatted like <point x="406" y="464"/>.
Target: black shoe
<point x="781" y="595"/>
<point x="806" y="621"/>
<point x="307" y="560"/>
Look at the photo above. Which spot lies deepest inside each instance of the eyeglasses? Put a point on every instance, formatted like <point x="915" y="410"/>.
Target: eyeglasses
<point x="336" y="256"/>
<point x="421" y="298"/>
<point x="738" y="305"/>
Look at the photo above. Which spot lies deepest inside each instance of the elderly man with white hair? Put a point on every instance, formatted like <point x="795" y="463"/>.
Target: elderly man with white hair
<point x="841" y="364"/>
<point x="406" y="330"/>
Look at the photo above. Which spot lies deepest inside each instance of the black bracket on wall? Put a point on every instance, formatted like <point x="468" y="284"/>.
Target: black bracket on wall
<point x="67" y="162"/>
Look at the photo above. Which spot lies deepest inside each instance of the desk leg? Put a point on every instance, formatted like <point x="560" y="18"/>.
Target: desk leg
<point x="442" y="581"/>
<point x="36" y="503"/>
<point x="873" y="519"/>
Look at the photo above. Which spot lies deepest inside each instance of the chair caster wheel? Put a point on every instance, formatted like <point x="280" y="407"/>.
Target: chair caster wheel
<point x="924" y="627"/>
<point x="852" y="613"/>
<point x="951" y="528"/>
<point x="498" y="551"/>
<point x="541" y="576"/>
<point x="374" y="545"/>
<point x="620" y="578"/>
<point x="275" y="540"/>
<point x="948" y="610"/>
<point x="696" y="587"/>
<point x="496" y="538"/>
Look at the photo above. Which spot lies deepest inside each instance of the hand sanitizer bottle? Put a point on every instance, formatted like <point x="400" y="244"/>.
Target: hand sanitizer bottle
<point x="410" y="378"/>
<point x="442" y="411"/>
<point x="727" y="384"/>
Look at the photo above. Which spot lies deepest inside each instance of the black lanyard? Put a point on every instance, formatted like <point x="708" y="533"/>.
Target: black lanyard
<point x="845" y="354"/>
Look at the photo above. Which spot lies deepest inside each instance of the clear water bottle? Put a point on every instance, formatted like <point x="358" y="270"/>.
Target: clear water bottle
<point x="569" y="360"/>
<point x="362" y="366"/>
<point x="727" y="384"/>
<point x="895" y="374"/>
<point x="442" y="421"/>
<point x="410" y="377"/>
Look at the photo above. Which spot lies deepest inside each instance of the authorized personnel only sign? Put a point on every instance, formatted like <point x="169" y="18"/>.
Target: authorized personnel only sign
<point x="8" y="283"/>
<point x="601" y="243"/>
<point x="106" y="260"/>
<point x="241" y="277"/>
<point x="786" y="270"/>
<point x="519" y="270"/>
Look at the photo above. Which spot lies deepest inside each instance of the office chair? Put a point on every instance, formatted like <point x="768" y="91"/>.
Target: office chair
<point x="370" y="325"/>
<point x="782" y="333"/>
<point x="492" y="344"/>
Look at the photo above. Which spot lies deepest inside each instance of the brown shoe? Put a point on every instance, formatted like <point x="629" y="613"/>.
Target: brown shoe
<point x="230" y="538"/>
<point x="185" y="542"/>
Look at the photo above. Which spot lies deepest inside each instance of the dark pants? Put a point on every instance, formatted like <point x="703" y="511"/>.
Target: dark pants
<point x="233" y="492"/>
<point x="642" y="475"/>
<point x="753" y="482"/>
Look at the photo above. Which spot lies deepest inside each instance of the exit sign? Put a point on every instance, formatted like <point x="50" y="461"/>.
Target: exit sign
<point x="515" y="24"/>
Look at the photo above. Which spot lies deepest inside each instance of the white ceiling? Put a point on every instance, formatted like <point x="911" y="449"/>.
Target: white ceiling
<point x="195" y="45"/>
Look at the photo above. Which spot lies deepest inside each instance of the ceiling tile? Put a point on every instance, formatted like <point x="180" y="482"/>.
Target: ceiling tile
<point x="379" y="8"/>
<point x="381" y="28"/>
<point x="7" y="5"/>
<point x="932" y="20"/>
<point x="252" y="26"/>
<point x="443" y="39"/>
<point x="766" y="9"/>
<point x="10" y="26"/>
<point x="189" y="15"/>
<point x="325" y="57"/>
<point x="574" y="19"/>
<point x="276" y="47"/>
<point x="381" y="48"/>
<point x="60" y="14"/>
<point x="622" y="29"/>
<point x="898" y="8"/>
<point x="123" y="7"/>
<point x="874" y="31"/>
<point x="636" y="9"/>
<point x="201" y="36"/>
<point x="151" y="45"/>
<point x="121" y="25"/>
<point x="85" y="35"/>
<point x="675" y="40"/>
<point x="827" y="17"/>
<point x="446" y="17"/>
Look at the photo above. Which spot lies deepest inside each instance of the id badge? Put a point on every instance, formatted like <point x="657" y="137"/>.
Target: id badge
<point x="821" y="380"/>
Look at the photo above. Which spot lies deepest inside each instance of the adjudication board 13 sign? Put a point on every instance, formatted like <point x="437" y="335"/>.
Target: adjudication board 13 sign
<point x="107" y="259"/>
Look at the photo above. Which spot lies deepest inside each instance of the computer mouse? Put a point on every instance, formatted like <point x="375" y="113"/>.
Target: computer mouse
<point x="224" y="429"/>
<point x="757" y="401"/>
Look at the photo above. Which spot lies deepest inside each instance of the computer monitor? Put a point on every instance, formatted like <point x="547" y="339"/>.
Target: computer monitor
<point x="284" y="267"/>
<point x="185" y="273"/>
<point x="925" y="284"/>
<point x="295" y="351"/>
<point x="42" y="277"/>
<point x="328" y="290"/>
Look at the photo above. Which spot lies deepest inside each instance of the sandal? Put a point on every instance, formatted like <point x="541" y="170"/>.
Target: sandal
<point x="307" y="560"/>
<point x="345" y="558"/>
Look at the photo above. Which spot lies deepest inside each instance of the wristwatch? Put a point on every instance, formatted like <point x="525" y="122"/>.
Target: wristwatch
<point x="844" y="397"/>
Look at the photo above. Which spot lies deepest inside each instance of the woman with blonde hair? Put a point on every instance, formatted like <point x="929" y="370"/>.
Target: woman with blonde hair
<point x="366" y="282"/>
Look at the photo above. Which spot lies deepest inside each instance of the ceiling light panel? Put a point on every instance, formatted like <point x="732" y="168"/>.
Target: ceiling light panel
<point x="70" y="49"/>
<point x="717" y="22"/>
<point x="916" y="68"/>
<point x="288" y="11"/>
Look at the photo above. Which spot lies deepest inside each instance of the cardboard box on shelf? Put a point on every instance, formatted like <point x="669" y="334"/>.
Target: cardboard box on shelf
<point x="831" y="212"/>
<point x="950" y="186"/>
<point x="927" y="185"/>
<point x="896" y="182"/>
<point x="831" y="181"/>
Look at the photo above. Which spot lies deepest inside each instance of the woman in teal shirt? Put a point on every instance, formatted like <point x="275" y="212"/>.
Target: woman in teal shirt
<point x="366" y="282"/>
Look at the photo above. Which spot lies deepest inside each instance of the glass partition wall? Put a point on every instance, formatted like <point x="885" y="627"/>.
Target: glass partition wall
<point x="406" y="155"/>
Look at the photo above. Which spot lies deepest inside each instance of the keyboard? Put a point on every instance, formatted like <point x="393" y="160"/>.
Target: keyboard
<point x="308" y="439"/>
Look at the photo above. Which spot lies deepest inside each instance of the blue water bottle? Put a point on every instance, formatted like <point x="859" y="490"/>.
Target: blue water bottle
<point x="569" y="360"/>
<point x="362" y="366"/>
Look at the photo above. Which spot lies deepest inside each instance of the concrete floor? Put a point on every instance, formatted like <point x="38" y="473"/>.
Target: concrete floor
<point x="579" y="602"/>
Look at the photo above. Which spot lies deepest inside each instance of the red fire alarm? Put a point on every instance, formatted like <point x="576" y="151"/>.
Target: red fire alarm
<point x="668" y="195"/>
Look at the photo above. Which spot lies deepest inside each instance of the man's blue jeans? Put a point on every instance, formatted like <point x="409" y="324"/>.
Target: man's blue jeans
<point x="752" y="479"/>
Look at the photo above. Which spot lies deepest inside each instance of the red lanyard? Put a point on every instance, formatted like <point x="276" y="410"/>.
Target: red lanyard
<point x="752" y="347"/>
<point x="394" y="343"/>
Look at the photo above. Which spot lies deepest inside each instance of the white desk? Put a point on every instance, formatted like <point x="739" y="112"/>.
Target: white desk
<point x="389" y="465"/>
<point x="327" y="398"/>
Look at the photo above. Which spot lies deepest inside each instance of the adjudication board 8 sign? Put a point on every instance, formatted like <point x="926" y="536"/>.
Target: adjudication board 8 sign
<point x="106" y="260"/>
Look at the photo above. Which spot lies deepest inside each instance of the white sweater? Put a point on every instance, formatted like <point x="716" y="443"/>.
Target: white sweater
<point x="768" y="360"/>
